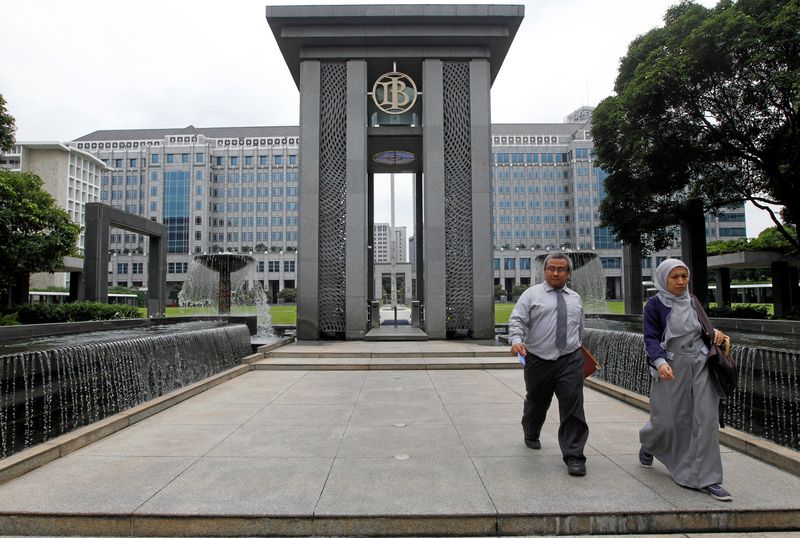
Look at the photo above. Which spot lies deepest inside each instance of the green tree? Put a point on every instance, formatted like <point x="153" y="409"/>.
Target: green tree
<point x="7" y="128"/>
<point x="706" y="113"/>
<point x="35" y="233"/>
<point x="499" y="292"/>
<point x="288" y="294"/>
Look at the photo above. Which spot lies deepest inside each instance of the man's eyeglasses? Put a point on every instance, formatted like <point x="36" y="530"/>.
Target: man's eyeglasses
<point x="559" y="270"/>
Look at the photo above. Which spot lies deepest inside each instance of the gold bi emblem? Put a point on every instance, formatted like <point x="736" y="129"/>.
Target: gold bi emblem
<point x="394" y="92"/>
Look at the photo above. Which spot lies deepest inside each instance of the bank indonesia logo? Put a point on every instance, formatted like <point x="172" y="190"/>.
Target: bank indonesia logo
<point x="394" y="93"/>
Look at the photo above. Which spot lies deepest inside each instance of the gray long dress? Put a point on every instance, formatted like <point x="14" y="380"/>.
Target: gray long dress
<point x="683" y="430"/>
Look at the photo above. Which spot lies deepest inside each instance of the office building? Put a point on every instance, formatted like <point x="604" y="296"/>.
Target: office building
<point x="236" y="189"/>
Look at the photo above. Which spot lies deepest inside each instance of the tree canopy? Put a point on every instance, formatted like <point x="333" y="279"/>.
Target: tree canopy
<point x="7" y="128"/>
<point x="706" y="109"/>
<point x="768" y="239"/>
<point x="35" y="233"/>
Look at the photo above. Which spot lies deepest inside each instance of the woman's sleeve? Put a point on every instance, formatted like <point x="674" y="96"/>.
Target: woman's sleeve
<point x="653" y="332"/>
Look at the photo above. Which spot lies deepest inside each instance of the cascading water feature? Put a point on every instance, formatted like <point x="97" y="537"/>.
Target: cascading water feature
<point x="62" y="383"/>
<point x="767" y="399"/>
<point x="218" y="283"/>
<point x="587" y="278"/>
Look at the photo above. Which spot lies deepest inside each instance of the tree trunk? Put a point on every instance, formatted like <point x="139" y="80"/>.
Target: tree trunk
<point x="19" y="291"/>
<point x="632" y="277"/>
<point x="693" y="248"/>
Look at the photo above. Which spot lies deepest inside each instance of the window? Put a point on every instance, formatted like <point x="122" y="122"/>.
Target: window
<point x="263" y="160"/>
<point x="234" y="161"/>
<point x="248" y="160"/>
<point x="170" y="157"/>
<point x="184" y="157"/>
<point x="122" y="268"/>
<point x="154" y="158"/>
<point x="611" y="262"/>
<point x="218" y="161"/>
<point x="132" y="163"/>
<point x="198" y="175"/>
<point x="278" y="160"/>
<point x="509" y="264"/>
<point x="274" y="267"/>
<point x="525" y="263"/>
<point x="288" y="266"/>
<point x="199" y="158"/>
<point x="260" y="267"/>
<point x="497" y="264"/>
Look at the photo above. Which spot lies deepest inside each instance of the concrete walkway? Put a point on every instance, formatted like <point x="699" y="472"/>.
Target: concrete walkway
<point x="401" y="446"/>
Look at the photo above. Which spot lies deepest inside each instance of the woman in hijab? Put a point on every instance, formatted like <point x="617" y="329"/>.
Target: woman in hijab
<point x="683" y="430"/>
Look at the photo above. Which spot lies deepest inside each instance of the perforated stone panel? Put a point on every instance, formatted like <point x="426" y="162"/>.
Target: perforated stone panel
<point x="458" y="197"/>
<point x="332" y="192"/>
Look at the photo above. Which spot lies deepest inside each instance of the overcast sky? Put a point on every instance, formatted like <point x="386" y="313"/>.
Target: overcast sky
<point x="73" y="67"/>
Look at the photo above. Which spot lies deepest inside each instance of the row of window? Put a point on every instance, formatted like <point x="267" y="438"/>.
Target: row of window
<point x="230" y="237"/>
<point x="520" y="158"/>
<point x="523" y="234"/>
<point x="137" y="268"/>
<point x="263" y="160"/>
<point x="249" y="207"/>
<point x="522" y="219"/>
<point x="199" y="158"/>
<point x="249" y="192"/>
<point x="275" y="266"/>
<point x="261" y="177"/>
<point x="532" y="189"/>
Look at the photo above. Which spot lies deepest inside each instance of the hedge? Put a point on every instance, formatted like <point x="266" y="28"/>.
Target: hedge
<point x="79" y="311"/>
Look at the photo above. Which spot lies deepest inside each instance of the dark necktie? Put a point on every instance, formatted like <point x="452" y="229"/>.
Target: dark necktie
<point x="561" y="321"/>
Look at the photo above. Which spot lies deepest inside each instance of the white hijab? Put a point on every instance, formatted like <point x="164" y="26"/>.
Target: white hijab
<point x="682" y="318"/>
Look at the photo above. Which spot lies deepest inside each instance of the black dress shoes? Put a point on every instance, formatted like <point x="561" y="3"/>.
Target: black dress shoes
<point x="533" y="443"/>
<point x="576" y="467"/>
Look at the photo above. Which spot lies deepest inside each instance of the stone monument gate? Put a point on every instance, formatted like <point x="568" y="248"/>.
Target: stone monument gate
<point x="404" y="89"/>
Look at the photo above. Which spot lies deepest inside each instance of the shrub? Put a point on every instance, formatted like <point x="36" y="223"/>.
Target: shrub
<point x="740" y="311"/>
<point x="9" y="319"/>
<point x="80" y="311"/>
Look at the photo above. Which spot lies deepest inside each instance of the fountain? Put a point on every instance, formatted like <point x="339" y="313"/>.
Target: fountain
<point x="216" y="283"/>
<point x="587" y="278"/>
<point x="52" y="385"/>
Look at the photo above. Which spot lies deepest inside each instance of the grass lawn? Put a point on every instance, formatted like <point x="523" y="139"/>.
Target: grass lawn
<point x="282" y="314"/>
<point x="286" y="314"/>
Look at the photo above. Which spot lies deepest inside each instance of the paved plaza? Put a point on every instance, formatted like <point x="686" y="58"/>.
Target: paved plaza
<point x="421" y="439"/>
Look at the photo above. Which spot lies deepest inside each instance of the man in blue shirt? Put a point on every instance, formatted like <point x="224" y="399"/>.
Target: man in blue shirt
<point x="545" y="327"/>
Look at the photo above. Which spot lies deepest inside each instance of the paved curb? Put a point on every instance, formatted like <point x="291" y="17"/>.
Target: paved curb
<point x="389" y="525"/>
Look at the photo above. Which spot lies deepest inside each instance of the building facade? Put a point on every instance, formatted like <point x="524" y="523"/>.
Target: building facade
<point x="236" y="189"/>
<point x="381" y="244"/>
<point x="72" y="176"/>
<point x="547" y="190"/>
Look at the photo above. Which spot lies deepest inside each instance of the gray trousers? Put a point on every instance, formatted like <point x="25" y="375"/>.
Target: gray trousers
<point x="564" y="378"/>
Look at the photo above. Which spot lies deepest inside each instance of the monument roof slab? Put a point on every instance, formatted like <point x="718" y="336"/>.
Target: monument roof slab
<point x="423" y="30"/>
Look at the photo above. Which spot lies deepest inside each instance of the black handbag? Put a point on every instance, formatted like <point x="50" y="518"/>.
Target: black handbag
<point x="720" y="361"/>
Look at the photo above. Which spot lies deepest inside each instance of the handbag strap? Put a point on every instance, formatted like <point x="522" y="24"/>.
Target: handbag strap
<point x="708" y="327"/>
